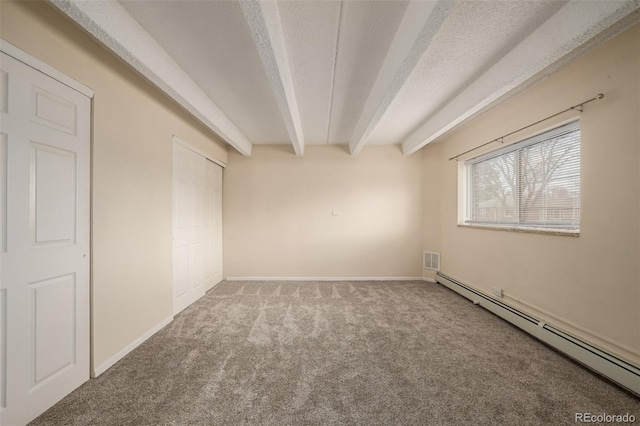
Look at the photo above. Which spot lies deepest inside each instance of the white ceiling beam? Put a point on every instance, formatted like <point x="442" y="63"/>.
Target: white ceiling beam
<point x="421" y="22"/>
<point x="263" y="18"/>
<point x="577" y="27"/>
<point x="111" y="25"/>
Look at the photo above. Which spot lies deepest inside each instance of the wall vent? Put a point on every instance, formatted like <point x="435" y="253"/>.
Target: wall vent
<point x="431" y="260"/>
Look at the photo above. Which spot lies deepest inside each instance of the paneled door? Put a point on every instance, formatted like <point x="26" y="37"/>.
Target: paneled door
<point x="197" y="226"/>
<point x="44" y="275"/>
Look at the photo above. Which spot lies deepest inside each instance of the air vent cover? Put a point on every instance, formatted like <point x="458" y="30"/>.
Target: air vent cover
<point x="431" y="260"/>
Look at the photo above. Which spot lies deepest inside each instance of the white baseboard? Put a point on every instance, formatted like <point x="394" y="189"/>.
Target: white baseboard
<point x="117" y="357"/>
<point x="431" y="280"/>
<point x="608" y="364"/>
<point x="324" y="278"/>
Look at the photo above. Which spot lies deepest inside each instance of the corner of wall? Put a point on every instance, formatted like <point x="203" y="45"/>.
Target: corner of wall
<point x="431" y="201"/>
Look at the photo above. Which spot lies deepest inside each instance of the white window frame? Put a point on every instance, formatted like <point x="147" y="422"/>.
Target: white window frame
<point x="464" y="183"/>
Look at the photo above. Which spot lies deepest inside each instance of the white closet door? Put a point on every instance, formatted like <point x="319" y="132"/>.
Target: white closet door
<point x="217" y="224"/>
<point x="44" y="275"/>
<point x="197" y="231"/>
<point x="213" y="221"/>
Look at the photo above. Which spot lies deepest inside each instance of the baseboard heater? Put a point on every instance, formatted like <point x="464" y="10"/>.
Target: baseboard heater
<point x="610" y="366"/>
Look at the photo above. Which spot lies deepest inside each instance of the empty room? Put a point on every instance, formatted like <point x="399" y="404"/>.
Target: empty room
<point x="358" y="212"/>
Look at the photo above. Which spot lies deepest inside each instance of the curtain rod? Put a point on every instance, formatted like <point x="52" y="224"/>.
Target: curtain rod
<point x="577" y="107"/>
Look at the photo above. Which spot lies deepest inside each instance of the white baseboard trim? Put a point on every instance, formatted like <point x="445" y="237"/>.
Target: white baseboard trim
<point x="324" y="278"/>
<point x="608" y="364"/>
<point x="117" y="357"/>
<point x="431" y="280"/>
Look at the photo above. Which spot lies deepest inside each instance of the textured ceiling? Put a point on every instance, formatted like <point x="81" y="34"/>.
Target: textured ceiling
<point x="212" y="43"/>
<point x="474" y="36"/>
<point x="345" y="72"/>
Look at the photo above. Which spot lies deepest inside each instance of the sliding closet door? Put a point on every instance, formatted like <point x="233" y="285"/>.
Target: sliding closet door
<point x="197" y="232"/>
<point x="213" y="223"/>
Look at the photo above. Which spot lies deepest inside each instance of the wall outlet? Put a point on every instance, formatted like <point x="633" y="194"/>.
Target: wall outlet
<point x="335" y="213"/>
<point x="497" y="292"/>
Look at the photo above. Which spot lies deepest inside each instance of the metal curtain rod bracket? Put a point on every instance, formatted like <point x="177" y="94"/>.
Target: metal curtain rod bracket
<point x="579" y="107"/>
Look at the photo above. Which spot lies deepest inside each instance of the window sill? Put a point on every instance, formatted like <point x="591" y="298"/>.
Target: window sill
<point x="559" y="232"/>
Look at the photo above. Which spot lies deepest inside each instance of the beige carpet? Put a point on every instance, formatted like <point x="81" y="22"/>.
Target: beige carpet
<point x="353" y="353"/>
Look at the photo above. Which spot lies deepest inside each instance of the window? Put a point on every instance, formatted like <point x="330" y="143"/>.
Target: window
<point x="534" y="183"/>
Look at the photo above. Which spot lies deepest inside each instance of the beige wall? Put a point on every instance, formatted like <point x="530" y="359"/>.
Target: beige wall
<point x="278" y="213"/>
<point x="133" y="124"/>
<point x="277" y="207"/>
<point x="431" y="171"/>
<point x="589" y="285"/>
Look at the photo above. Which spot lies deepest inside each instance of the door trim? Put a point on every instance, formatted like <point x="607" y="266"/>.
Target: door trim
<point x="35" y="63"/>
<point x="199" y="151"/>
